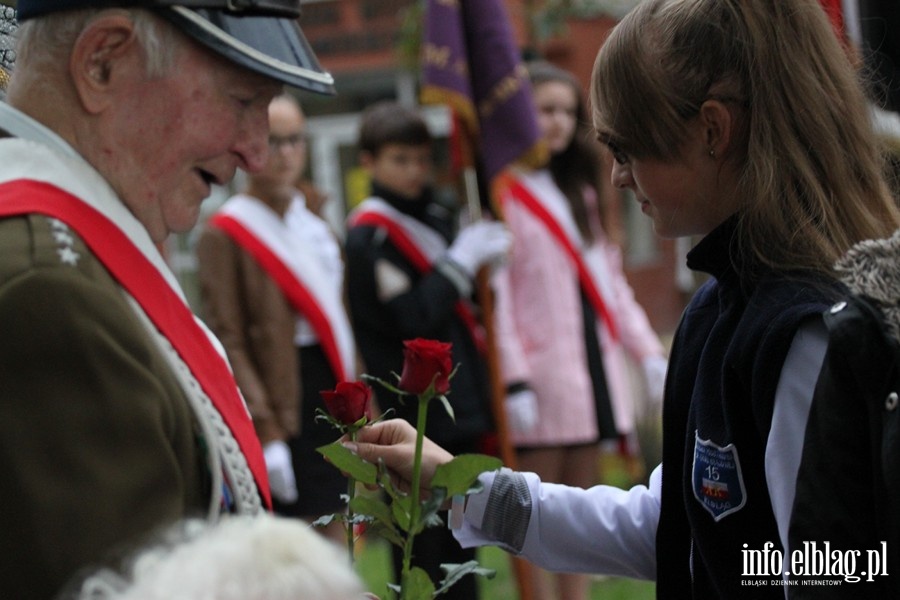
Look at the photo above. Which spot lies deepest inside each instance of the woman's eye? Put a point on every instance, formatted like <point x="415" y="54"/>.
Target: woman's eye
<point x="618" y="154"/>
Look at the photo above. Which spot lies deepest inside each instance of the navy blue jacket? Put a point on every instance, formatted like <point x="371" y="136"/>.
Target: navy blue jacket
<point x="724" y="368"/>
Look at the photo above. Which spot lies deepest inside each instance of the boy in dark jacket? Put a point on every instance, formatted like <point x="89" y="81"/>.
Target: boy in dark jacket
<point x="409" y="275"/>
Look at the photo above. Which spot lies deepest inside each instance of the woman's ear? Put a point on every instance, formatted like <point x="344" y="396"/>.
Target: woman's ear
<point x="718" y="126"/>
<point x="103" y="53"/>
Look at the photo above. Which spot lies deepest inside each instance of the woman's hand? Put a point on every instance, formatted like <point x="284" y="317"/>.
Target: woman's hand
<point x="394" y="442"/>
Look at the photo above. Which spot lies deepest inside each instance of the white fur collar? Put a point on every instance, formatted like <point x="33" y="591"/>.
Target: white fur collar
<point x="872" y="269"/>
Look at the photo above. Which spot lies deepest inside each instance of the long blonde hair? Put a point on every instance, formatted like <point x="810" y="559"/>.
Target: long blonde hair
<point x="812" y="173"/>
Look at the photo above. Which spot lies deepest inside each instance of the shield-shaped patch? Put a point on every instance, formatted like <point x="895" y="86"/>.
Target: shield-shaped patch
<point x="717" y="480"/>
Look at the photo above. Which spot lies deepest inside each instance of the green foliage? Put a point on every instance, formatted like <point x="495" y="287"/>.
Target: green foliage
<point x="416" y="586"/>
<point x="447" y="406"/>
<point x="404" y="515"/>
<point x="457" y="572"/>
<point x="391" y="516"/>
<point x="409" y="38"/>
<point x="460" y="474"/>
<point x="349" y="463"/>
<point x="322" y="415"/>
<point x="374" y="566"/>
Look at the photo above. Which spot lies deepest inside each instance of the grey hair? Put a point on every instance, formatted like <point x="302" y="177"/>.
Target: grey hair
<point x="45" y="42"/>
<point x="265" y="556"/>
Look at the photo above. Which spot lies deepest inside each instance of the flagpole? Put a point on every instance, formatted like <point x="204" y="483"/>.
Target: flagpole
<point x="521" y="567"/>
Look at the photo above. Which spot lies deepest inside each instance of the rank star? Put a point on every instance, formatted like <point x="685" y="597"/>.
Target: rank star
<point x="68" y="256"/>
<point x="63" y="237"/>
<point x="58" y="225"/>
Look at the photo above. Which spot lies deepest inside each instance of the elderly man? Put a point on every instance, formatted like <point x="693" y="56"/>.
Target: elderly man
<point x="118" y="413"/>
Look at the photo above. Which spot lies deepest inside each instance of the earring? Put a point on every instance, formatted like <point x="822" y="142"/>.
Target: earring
<point x="712" y="153"/>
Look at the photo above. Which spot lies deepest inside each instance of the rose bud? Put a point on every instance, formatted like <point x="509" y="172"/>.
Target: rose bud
<point x="349" y="402"/>
<point x="424" y="361"/>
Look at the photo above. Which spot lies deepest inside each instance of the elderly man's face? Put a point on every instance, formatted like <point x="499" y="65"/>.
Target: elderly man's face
<point x="174" y="136"/>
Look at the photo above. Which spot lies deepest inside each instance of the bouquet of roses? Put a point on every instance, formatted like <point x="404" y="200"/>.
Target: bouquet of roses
<point x="426" y="374"/>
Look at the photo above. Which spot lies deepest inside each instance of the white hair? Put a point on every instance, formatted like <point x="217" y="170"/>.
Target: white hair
<point x="45" y="42"/>
<point x="262" y="557"/>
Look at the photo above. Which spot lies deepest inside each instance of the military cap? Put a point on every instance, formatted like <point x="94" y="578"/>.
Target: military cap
<point x="261" y="35"/>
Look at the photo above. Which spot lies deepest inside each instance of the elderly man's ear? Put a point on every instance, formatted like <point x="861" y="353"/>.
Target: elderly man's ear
<point x="105" y="55"/>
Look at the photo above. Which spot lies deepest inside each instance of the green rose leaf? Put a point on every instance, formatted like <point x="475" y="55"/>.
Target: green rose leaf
<point x="455" y="572"/>
<point x="323" y="520"/>
<point x="430" y="507"/>
<point x="373" y="507"/>
<point x="400" y="508"/>
<point x="432" y="520"/>
<point x="458" y="475"/>
<point x="391" y="535"/>
<point x="447" y="407"/>
<point x="386" y="385"/>
<point x="386" y="482"/>
<point x="416" y="586"/>
<point x="349" y="463"/>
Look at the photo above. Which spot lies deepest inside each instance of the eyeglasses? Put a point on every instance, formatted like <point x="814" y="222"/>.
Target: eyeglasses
<point x="276" y="142"/>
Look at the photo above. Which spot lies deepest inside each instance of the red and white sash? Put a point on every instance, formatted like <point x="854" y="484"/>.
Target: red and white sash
<point x="291" y="263"/>
<point x="165" y="308"/>
<point x="419" y="244"/>
<point x="527" y="189"/>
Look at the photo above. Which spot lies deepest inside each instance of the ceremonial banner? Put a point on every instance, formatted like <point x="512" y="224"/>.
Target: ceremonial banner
<point x="471" y="63"/>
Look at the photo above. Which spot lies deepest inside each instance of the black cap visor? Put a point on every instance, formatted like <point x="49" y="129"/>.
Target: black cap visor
<point x="274" y="8"/>
<point x="271" y="46"/>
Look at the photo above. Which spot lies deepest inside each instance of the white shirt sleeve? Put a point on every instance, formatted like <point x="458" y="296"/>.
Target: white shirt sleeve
<point x="602" y="529"/>
<point x="612" y="531"/>
<point x="793" y="398"/>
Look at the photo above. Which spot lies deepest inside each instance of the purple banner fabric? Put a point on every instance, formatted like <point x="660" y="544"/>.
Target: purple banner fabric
<point x="471" y="62"/>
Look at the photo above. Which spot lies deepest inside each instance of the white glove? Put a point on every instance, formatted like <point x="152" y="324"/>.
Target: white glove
<point x="281" y="472"/>
<point x="521" y="410"/>
<point x="483" y="242"/>
<point x="654" y="368"/>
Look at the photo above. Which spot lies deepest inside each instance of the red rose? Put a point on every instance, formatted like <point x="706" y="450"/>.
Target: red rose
<point x="424" y="361"/>
<point x="349" y="402"/>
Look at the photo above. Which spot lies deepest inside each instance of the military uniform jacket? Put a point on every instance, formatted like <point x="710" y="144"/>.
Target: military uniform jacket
<point x="105" y="435"/>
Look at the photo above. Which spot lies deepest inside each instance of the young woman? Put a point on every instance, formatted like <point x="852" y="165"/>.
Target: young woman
<point x="566" y="316"/>
<point x="742" y="122"/>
